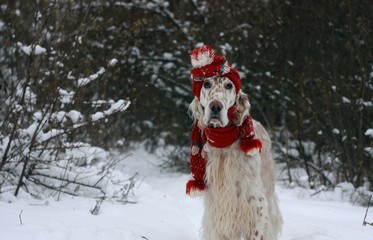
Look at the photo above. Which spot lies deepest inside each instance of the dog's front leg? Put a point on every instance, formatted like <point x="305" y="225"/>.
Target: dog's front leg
<point x="213" y="228"/>
<point x="259" y="226"/>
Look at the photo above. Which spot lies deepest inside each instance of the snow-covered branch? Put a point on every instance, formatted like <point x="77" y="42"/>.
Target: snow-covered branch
<point x="84" y="81"/>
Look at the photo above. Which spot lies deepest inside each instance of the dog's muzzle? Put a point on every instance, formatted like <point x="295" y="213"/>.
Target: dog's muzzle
<point x="216" y="107"/>
<point x="215" y="113"/>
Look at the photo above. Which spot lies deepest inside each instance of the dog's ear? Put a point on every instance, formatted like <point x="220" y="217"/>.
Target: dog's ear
<point x="242" y="105"/>
<point x="196" y="110"/>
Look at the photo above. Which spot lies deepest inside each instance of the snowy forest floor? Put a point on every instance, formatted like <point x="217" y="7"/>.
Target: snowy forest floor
<point x="164" y="212"/>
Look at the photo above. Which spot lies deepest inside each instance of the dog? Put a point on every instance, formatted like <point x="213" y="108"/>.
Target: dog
<point x="236" y="177"/>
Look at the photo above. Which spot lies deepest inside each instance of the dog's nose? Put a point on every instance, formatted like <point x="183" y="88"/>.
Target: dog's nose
<point x="216" y="107"/>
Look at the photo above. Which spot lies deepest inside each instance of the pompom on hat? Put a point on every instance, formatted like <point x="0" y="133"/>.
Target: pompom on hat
<point x="207" y="64"/>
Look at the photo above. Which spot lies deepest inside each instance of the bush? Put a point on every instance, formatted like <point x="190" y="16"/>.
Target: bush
<point x="51" y="101"/>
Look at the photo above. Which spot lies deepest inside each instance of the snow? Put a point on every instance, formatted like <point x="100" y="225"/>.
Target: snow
<point x="346" y="100"/>
<point x="42" y="137"/>
<point x="75" y="116"/>
<point x="70" y="76"/>
<point x="369" y="150"/>
<point x="84" y="81"/>
<point x="30" y="130"/>
<point x="367" y="104"/>
<point x="293" y="153"/>
<point x="168" y="56"/>
<point x="66" y="97"/>
<point x="85" y="154"/>
<point x="31" y="49"/>
<point x="37" y="116"/>
<point x="112" y="62"/>
<point x="163" y="212"/>
<point x="59" y="116"/>
<point x="369" y="132"/>
<point x="120" y="105"/>
<point x="336" y="131"/>
<point x="97" y="116"/>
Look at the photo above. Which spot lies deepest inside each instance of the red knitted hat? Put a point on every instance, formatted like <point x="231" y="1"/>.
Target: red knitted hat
<point x="206" y="64"/>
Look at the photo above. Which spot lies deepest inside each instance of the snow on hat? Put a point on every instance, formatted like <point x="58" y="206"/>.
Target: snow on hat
<point x="206" y="64"/>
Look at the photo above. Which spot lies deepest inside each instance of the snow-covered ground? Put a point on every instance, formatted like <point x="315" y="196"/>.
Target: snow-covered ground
<point x="163" y="212"/>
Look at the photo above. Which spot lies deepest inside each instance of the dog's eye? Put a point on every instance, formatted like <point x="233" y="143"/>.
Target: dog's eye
<point x="206" y="84"/>
<point x="228" y="86"/>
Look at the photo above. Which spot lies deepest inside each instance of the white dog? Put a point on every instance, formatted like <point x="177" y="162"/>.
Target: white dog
<point x="231" y="158"/>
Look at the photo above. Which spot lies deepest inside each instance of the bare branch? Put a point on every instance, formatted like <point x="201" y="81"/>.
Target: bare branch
<point x="20" y="217"/>
<point x="366" y="213"/>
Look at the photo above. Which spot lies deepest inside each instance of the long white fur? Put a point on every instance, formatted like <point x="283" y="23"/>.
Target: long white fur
<point x="240" y="202"/>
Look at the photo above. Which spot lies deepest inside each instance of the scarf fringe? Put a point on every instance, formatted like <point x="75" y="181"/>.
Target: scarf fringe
<point x="249" y="144"/>
<point x="193" y="186"/>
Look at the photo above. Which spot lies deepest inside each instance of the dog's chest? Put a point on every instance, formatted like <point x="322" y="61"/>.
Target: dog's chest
<point x="231" y="172"/>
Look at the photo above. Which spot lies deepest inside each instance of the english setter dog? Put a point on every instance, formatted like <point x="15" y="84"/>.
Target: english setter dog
<point x="231" y="159"/>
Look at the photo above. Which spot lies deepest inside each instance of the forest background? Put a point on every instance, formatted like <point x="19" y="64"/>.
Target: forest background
<point x="116" y="74"/>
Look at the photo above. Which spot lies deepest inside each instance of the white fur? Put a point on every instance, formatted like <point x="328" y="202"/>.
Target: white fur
<point x="217" y="92"/>
<point x="240" y="202"/>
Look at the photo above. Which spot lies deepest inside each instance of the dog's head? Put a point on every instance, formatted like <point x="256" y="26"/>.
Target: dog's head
<point x="217" y="87"/>
<point x="217" y="96"/>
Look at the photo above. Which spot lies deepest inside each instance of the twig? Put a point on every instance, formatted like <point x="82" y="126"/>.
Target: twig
<point x="39" y="204"/>
<point x="96" y="209"/>
<point x="67" y="181"/>
<point x="317" y="192"/>
<point x="125" y="191"/>
<point x="64" y="177"/>
<point x="20" y="217"/>
<point x="131" y="185"/>
<point x="142" y="180"/>
<point x="366" y="213"/>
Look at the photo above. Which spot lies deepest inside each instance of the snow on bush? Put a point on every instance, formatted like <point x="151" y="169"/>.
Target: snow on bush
<point x="369" y="132"/>
<point x="38" y="158"/>
<point x="38" y="153"/>
<point x="31" y="49"/>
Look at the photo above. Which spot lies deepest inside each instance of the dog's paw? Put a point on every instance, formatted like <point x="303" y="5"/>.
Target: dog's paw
<point x="253" y="152"/>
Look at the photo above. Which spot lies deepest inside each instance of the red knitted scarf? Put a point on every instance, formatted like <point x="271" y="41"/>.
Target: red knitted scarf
<point x="222" y="137"/>
<point x="219" y="138"/>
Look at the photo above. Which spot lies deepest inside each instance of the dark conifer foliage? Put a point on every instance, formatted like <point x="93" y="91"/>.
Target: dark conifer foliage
<point x="307" y="67"/>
